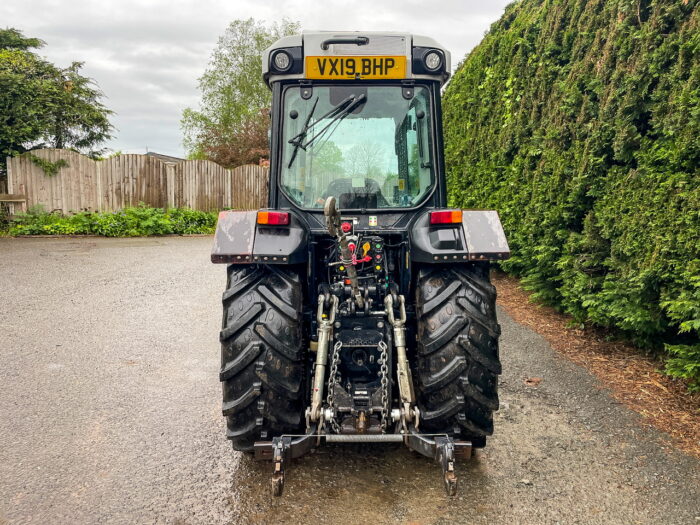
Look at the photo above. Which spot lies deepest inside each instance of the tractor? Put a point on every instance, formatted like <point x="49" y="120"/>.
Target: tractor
<point x="358" y="306"/>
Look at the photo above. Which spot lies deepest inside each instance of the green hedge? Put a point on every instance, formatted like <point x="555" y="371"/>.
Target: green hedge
<point x="129" y="222"/>
<point x="579" y="121"/>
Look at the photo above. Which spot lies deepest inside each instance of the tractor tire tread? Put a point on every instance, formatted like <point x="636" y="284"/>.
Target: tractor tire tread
<point x="457" y="362"/>
<point x="262" y="354"/>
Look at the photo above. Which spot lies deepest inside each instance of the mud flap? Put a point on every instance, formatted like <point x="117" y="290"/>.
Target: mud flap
<point x="478" y="237"/>
<point x="239" y="239"/>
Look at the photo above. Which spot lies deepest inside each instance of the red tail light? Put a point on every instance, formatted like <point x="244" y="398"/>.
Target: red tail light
<point x="273" y="218"/>
<point x="446" y="217"/>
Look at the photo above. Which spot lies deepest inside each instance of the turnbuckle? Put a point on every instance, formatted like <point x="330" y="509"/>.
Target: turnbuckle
<point x="409" y="412"/>
<point x="325" y="333"/>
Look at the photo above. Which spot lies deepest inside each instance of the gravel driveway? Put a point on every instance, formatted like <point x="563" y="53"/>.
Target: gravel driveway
<point x="110" y="413"/>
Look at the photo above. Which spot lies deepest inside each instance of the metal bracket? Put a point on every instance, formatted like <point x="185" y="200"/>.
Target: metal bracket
<point x="445" y="456"/>
<point x="307" y="90"/>
<point x="280" y="445"/>
<point x="442" y="448"/>
<point x="407" y="88"/>
<point x="280" y="450"/>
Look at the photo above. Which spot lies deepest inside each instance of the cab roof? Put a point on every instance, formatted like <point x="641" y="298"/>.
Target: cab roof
<point x="311" y="43"/>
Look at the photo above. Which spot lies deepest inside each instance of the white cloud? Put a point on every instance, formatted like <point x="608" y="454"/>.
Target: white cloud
<point x="146" y="56"/>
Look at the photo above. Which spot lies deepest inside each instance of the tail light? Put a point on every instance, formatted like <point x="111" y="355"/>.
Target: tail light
<point x="446" y="217"/>
<point x="273" y="218"/>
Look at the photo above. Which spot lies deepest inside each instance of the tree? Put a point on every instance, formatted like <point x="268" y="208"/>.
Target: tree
<point x="42" y="105"/>
<point x="326" y="165"/>
<point x="231" y="124"/>
<point x="78" y="119"/>
<point x="364" y="159"/>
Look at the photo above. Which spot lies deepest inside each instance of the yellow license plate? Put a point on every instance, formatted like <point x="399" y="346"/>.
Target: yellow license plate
<point x="356" y="67"/>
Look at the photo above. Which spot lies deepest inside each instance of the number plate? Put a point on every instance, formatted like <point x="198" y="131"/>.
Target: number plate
<point x="356" y="67"/>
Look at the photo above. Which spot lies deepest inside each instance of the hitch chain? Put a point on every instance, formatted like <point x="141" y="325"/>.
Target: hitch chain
<point x="332" y="381"/>
<point x="384" y="378"/>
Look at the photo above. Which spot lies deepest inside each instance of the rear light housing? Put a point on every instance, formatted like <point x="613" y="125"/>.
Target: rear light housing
<point x="273" y="218"/>
<point x="445" y="217"/>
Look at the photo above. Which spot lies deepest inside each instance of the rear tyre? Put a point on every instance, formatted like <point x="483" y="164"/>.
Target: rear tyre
<point x="457" y="363"/>
<point x="262" y="366"/>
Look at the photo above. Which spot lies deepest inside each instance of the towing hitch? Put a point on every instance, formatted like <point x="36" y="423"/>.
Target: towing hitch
<point x="442" y="448"/>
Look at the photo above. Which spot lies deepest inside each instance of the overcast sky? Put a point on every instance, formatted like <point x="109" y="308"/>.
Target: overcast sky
<point x="146" y="55"/>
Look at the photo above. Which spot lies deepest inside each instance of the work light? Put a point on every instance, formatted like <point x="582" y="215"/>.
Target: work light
<point x="282" y="60"/>
<point x="433" y="61"/>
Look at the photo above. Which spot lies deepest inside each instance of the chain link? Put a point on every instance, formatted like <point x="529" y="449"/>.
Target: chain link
<point x="332" y="381"/>
<point x="384" y="378"/>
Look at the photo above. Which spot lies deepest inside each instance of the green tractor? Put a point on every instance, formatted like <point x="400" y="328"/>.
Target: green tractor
<point x="358" y="307"/>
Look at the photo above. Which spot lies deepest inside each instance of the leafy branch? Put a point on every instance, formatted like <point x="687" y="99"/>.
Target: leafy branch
<point x="49" y="168"/>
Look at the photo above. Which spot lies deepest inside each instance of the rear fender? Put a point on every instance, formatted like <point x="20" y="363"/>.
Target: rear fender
<point x="240" y="240"/>
<point x="479" y="237"/>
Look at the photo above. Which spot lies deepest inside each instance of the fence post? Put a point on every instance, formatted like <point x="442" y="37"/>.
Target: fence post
<point x="170" y="184"/>
<point x="11" y="187"/>
<point x="98" y="186"/>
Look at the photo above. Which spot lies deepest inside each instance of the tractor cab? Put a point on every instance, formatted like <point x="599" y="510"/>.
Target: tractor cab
<point x="356" y="116"/>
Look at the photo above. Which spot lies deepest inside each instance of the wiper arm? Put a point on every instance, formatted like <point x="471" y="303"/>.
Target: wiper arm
<point x="340" y="115"/>
<point x="341" y="110"/>
<point x="296" y="140"/>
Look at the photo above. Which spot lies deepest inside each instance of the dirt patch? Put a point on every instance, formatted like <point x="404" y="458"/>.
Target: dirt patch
<point x="633" y="378"/>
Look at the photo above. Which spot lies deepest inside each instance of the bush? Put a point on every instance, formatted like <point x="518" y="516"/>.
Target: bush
<point x="579" y="122"/>
<point x="685" y="363"/>
<point x="130" y="222"/>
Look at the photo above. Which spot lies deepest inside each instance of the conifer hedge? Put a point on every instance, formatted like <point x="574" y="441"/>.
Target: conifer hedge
<point x="579" y="121"/>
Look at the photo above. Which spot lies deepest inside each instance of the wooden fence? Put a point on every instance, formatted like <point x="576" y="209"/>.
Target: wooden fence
<point x="127" y="180"/>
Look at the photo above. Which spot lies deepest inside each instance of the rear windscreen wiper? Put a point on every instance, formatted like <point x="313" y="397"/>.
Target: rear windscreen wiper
<point x="338" y="112"/>
<point x="340" y="115"/>
<point x="296" y="140"/>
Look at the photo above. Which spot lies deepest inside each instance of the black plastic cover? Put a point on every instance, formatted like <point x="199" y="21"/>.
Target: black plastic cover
<point x="281" y="244"/>
<point x="418" y="61"/>
<point x="297" y="57"/>
<point x="479" y="237"/>
<point x="240" y="240"/>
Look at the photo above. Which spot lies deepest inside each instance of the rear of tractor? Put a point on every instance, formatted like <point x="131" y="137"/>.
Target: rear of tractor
<point x="358" y="307"/>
